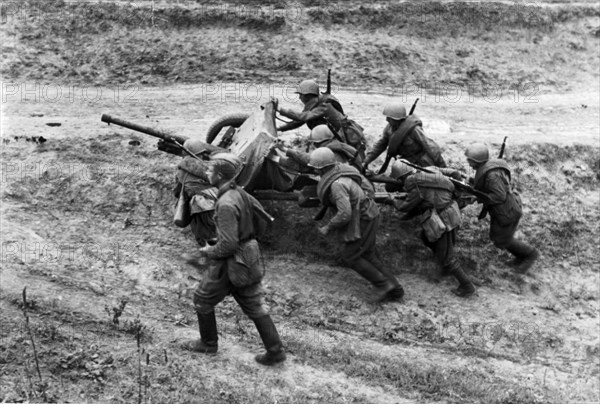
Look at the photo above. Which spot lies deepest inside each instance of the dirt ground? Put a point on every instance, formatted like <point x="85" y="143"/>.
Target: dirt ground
<point x="86" y="215"/>
<point x="86" y="223"/>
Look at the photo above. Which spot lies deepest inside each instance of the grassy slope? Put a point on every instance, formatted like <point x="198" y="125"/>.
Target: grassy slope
<point x="342" y="351"/>
<point x="365" y="45"/>
<point x="335" y="338"/>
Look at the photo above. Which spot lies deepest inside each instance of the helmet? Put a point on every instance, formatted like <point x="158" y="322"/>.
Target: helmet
<point x="227" y="164"/>
<point x="394" y="111"/>
<point x="478" y="153"/>
<point x="400" y="169"/>
<point x="308" y="87"/>
<point x="321" y="157"/>
<point x="320" y="133"/>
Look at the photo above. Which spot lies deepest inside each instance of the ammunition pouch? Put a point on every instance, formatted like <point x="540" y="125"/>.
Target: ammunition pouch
<point x="243" y="269"/>
<point x="432" y="225"/>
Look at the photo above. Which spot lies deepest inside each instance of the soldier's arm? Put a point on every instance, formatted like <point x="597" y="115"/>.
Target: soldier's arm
<point x="317" y="112"/>
<point x="419" y="135"/>
<point x="227" y="233"/>
<point x="378" y="148"/>
<point x="341" y="199"/>
<point x="298" y="156"/>
<point x="413" y="197"/>
<point x="451" y="172"/>
<point x="497" y="187"/>
<point x="289" y="126"/>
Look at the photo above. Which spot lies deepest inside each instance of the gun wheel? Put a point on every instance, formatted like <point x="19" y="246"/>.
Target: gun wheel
<point x="225" y="122"/>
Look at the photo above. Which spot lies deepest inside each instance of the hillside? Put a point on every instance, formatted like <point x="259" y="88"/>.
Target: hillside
<point x="86" y="216"/>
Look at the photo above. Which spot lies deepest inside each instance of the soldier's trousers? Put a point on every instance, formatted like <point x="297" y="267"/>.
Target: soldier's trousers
<point x="443" y="250"/>
<point x="501" y="235"/>
<point x="215" y="286"/>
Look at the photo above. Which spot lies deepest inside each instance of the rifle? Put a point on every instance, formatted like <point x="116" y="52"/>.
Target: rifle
<point x="501" y="154"/>
<point x="388" y="157"/>
<point x="412" y="109"/>
<point x="328" y="91"/>
<point x="170" y="143"/>
<point x="457" y="183"/>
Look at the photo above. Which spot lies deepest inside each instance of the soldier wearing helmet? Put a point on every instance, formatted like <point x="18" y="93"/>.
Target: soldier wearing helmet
<point x="323" y="109"/>
<point x="492" y="177"/>
<point x="235" y="263"/>
<point x="198" y="193"/>
<point x="321" y="136"/>
<point x="430" y="199"/>
<point x="356" y="219"/>
<point x="404" y="137"/>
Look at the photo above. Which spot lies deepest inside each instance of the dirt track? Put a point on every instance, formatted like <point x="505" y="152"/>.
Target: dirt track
<point x="529" y="332"/>
<point x="86" y="217"/>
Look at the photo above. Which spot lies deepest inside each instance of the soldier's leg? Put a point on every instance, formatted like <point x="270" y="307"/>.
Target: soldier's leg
<point x="374" y="258"/>
<point x="503" y="237"/>
<point x="250" y="300"/>
<point x="443" y="250"/>
<point x="372" y="274"/>
<point x="211" y="291"/>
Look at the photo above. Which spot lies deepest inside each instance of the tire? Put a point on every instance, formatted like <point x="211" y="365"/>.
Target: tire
<point x="235" y="120"/>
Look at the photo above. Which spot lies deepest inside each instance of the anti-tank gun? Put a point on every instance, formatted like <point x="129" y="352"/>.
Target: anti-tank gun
<point x="252" y="138"/>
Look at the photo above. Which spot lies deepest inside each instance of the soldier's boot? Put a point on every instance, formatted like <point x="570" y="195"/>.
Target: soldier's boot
<point x="465" y="286"/>
<point x="525" y="255"/>
<point x="368" y="271"/>
<point x="209" y="337"/>
<point x="270" y="338"/>
<point x="397" y="292"/>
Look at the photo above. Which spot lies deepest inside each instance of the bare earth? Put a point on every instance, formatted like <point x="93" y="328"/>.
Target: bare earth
<point x="538" y="332"/>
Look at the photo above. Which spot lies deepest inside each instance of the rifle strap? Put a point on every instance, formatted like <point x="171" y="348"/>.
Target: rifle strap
<point x="384" y="167"/>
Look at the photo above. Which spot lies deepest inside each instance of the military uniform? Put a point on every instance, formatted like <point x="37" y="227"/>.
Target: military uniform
<point x="321" y="110"/>
<point x="409" y="142"/>
<point x="235" y="269"/>
<point x="356" y="218"/>
<point x="200" y="195"/>
<point x="505" y="208"/>
<point x="430" y="198"/>
<point x="344" y="153"/>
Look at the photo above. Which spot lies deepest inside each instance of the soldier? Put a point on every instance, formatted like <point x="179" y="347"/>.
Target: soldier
<point x="323" y="109"/>
<point x="404" y="137"/>
<point x="429" y="196"/>
<point x="356" y="218"/>
<point x="198" y="193"/>
<point x="235" y="264"/>
<point x="492" y="177"/>
<point x="321" y="136"/>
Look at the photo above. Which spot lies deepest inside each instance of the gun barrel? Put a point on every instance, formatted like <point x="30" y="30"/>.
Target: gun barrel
<point x="144" y="129"/>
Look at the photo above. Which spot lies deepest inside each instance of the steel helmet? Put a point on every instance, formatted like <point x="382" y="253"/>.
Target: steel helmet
<point x="394" y="111"/>
<point x="321" y="157"/>
<point x="308" y="87"/>
<point x="478" y="153"/>
<point x="400" y="169"/>
<point x="227" y="164"/>
<point x="320" y="133"/>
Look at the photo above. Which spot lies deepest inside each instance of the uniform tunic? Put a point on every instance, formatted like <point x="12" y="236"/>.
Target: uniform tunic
<point x="504" y="206"/>
<point x="356" y="214"/>
<point x="235" y="238"/>
<point x="428" y="191"/>
<point x="408" y="142"/>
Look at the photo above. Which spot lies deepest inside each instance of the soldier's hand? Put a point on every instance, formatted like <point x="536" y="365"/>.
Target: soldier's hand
<point x="275" y="102"/>
<point x="279" y="144"/>
<point x="324" y="230"/>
